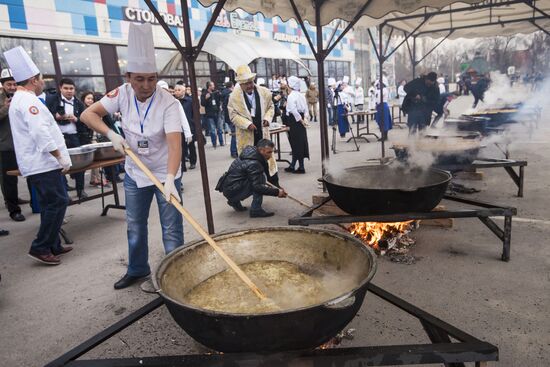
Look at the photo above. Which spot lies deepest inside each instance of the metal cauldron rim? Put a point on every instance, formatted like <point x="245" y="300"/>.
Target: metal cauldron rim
<point x="448" y="178"/>
<point x="357" y="242"/>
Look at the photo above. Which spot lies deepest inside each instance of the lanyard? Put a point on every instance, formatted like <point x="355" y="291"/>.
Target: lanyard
<point x="141" y="123"/>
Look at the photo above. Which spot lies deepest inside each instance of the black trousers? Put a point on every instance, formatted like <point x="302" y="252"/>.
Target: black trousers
<point x="188" y="148"/>
<point x="72" y="141"/>
<point x="8" y="162"/>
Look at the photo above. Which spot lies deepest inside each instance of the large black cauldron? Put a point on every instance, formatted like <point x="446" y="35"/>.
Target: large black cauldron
<point x="350" y="264"/>
<point x="386" y="189"/>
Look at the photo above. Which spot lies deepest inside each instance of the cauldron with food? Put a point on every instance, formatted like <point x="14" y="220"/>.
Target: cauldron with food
<point x="315" y="279"/>
<point x="445" y="150"/>
<point x="384" y="189"/>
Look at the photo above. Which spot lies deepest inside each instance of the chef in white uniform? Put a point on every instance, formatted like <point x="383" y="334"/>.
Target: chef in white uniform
<point x="41" y="154"/>
<point x="151" y="121"/>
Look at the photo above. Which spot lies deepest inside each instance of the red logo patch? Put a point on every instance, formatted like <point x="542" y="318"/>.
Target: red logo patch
<point x="113" y="93"/>
<point x="33" y="110"/>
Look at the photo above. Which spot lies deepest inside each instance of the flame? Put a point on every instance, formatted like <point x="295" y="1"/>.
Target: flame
<point x="372" y="232"/>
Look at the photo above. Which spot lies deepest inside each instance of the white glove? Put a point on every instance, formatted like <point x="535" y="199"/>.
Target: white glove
<point x="64" y="162"/>
<point x="189" y="139"/>
<point x="170" y="188"/>
<point x="118" y="141"/>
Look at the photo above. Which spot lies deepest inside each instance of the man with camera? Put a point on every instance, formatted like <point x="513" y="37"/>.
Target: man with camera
<point x="8" y="159"/>
<point x="66" y="110"/>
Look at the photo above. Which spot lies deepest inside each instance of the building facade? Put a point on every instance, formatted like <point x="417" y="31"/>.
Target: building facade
<point x="86" y="40"/>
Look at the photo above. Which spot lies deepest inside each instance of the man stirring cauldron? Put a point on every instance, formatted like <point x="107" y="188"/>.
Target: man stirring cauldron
<point x="247" y="177"/>
<point x="152" y="125"/>
<point x="421" y="99"/>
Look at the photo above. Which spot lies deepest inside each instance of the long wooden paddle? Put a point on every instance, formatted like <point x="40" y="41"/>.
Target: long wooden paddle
<point x="289" y="196"/>
<point x="198" y="227"/>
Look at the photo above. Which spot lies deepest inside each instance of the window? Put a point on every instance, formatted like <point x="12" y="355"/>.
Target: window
<point x="166" y="62"/>
<point x="79" y="58"/>
<point x="39" y="51"/>
<point x="84" y="84"/>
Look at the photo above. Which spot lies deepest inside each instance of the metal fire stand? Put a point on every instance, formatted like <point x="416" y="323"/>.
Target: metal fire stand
<point x="442" y="349"/>
<point x="483" y="211"/>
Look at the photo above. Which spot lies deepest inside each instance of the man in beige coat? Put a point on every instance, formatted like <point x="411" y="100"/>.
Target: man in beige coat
<point x="250" y="109"/>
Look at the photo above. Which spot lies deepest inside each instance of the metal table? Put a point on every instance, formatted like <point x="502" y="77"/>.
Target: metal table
<point x="508" y="165"/>
<point x="274" y="136"/>
<point x="466" y="349"/>
<point x="105" y="208"/>
<point x="359" y="135"/>
<point x="483" y="211"/>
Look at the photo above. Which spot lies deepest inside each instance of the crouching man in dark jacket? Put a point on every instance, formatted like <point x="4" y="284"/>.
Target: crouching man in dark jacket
<point x="247" y="177"/>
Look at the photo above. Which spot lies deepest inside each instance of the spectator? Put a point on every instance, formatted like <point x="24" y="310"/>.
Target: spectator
<point x="8" y="160"/>
<point x="274" y="83"/>
<point x="186" y="100"/>
<point x="401" y="94"/>
<point x="359" y="99"/>
<point x="67" y="109"/>
<point x="329" y="99"/>
<point x="441" y="85"/>
<point x="210" y="100"/>
<point x="226" y="92"/>
<point x="372" y="97"/>
<point x="312" y="97"/>
<point x="88" y="99"/>
<point x="442" y="106"/>
<point x="382" y="109"/>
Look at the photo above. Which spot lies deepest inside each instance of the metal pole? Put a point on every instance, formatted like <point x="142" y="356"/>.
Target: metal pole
<point x="414" y="58"/>
<point x="190" y="60"/>
<point x="320" y="57"/>
<point x="380" y="111"/>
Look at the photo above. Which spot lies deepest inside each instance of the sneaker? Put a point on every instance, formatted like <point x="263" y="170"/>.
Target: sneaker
<point x="260" y="214"/>
<point x="192" y="166"/>
<point x="48" y="259"/>
<point x="237" y="206"/>
<point x="3" y="232"/>
<point x="300" y="170"/>
<point x="290" y="169"/>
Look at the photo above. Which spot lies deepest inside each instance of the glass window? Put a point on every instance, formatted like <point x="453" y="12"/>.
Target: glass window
<point x="331" y="68"/>
<point x="167" y="63"/>
<point x="39" y="51"/>
<point x="269" y="67"/>
<point x="339" y="69"/>
<point x="202" y="68"/>
<point x="122" y="55"/>
<point x="79" y="58"/>
<point x="94" y="84"/>
<point x="312" y="65"/>
<point x="260" y="68"/>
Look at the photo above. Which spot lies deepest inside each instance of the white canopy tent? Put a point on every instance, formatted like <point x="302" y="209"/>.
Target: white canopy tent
<point x="237" y="50"/>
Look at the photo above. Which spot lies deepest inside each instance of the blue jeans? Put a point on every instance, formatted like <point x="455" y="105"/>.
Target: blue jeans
<point x="138" y="203"/>
<point x="257" y="199"/>
<point x="53" y="201"/>
<point x="216" y="125"/>
<point x="330" y="116"/>
<point x="233" y="147"/>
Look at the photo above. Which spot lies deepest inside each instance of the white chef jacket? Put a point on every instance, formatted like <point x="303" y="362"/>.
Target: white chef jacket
<point x="359" y="96"/>
<point x="69" y="110"/>
<point x="402" y="94"/>
<point x="442" y="88"/>
<point x="35" y="134"/>
<point x="372" y="98"/>
<point x="295" y="104"/>
<point x="377" y="95"/>
<point x="164" y="117"/>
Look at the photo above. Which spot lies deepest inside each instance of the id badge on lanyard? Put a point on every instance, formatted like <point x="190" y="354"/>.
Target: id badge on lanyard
<point x="143" y="143"/>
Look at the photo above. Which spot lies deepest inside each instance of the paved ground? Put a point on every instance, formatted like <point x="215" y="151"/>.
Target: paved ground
<point x="44" y="311"/>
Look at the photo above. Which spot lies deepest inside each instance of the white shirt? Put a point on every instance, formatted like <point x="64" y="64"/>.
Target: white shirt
<point x="401" y="94"/>
<point x="35" y="133"/>
<point x="372" y="98"/>
<point x="295" y="104"/>
<point x="164" y="117"/>
<point x="359" y="96"/>
<point x="442" y="88"/>
<point x="252" y="100"/>
<point x="377" y="95"/>
<point x="69" y="110"/>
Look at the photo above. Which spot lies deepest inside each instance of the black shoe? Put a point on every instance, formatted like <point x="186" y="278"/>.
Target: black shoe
<point x="70" y="188"/>
<point x="237" y="206"/>
<point x="300" y="170"/>
<point x="18" y="217"/>
<point x="22" y="201"/>
<point x="234" y="156"/>
<point x="260" y="214"/>
<point x="128" y="280"/>
<point x="3" y="232"/>
<point x="82" y="195"/>
<point x="289" y="169"/>
<point x="192" y="166"/>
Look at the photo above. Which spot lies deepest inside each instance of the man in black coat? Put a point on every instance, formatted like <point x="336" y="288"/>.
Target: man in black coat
<point x="66" y="109"/>
<point x="421" y="99"/>
<point x="188" y="148"/>
<point x="247" y="177"/>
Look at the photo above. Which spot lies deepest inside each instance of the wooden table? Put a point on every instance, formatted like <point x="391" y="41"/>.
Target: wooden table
<point x="94" y="165"/>
<point x="274" y="136"/>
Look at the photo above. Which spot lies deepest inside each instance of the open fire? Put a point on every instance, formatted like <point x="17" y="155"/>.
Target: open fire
<point x="383" y="237"/>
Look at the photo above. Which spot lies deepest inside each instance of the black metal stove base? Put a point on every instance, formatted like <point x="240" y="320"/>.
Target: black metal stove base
<point x="483" y="211"/>
<point x="466" y="349"/>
